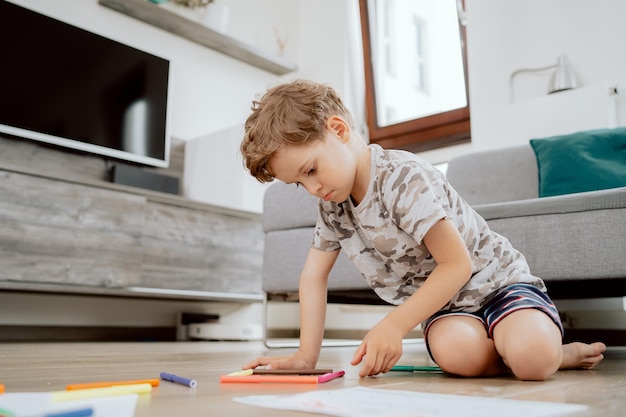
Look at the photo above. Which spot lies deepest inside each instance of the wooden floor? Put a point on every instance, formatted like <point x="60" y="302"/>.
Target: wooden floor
<point x="34" y="367"/>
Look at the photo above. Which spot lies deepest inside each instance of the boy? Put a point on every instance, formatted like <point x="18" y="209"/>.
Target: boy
<point x="419" y="245"/>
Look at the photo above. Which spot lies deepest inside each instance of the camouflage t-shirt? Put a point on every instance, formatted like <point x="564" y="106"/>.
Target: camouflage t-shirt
<point x="383" y="235"/>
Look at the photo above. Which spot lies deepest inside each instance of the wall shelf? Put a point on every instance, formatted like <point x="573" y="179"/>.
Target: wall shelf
<point x="171" y="22"/>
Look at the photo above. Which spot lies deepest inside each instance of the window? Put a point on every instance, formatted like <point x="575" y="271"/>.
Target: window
<point x="415" y="73"/>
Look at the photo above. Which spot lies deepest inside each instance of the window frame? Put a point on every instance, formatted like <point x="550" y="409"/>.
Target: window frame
<point x="424" y="133"/>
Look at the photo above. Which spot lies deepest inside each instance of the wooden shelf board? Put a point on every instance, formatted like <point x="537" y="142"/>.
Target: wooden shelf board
<point x="171" y="22"/>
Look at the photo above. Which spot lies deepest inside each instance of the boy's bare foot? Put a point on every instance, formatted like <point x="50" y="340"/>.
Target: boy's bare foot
<point x="578" y="355"/>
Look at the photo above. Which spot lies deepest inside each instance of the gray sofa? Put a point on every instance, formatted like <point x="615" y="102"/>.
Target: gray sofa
<point x="289" y="215"/>
<point x="575" y="242"/>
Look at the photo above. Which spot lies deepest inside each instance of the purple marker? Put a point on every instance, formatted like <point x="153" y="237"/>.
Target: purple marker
<point x="192" y="383"/>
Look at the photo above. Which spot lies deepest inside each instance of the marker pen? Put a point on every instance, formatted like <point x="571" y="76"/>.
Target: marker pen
<point x="192" y="383"/>
<point x="103" y="384"/>
<point x="410" y="368"/>
<point x="82" y="412"/>
<point x="81" y="394"/>
<point x="330" y="376"/>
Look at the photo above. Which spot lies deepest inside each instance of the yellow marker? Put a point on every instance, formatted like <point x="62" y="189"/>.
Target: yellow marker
<point x="245" y="372"/>
<point x="81" y="394"/>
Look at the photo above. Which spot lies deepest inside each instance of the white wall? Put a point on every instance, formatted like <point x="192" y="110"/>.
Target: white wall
<point x="212" y="92"/>
<point x="506" y="35"/>
<point x="214" y="172"/>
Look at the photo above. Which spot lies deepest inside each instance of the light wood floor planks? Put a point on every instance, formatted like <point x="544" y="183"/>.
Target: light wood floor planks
<point x="50" y="366"/>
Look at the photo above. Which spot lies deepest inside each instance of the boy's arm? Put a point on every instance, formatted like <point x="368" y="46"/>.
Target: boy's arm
<point x="382" y="346"/>
<point x="313" y="288"/>
<point x="313" y="291"/>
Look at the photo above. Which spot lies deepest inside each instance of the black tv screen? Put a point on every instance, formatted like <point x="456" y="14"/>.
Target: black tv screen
<point x="70" y="87"/>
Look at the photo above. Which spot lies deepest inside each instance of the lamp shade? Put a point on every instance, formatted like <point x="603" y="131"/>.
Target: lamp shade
<point x="564" y="77"/>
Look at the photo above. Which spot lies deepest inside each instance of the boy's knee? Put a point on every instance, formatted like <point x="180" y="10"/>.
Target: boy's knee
<point x="534" y="361"/>
<point x="468" y="355"/>
<point x="467" y="364"/>
<point x="533" y="371"/>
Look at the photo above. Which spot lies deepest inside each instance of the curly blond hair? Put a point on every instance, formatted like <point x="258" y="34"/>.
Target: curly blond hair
<point x="294" y="113"/>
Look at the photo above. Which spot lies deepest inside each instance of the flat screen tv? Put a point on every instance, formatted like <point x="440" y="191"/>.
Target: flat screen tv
<point x="69" y="87"/>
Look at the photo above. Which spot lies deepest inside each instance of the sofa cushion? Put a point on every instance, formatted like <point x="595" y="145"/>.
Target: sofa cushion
<point x="583" y="161"/>
<point x="479" y="178"/>
<point x="571" y="237"/>
<point x="574" y="246"/>
<point x="571" y="203"/>
<point x="284" y="256"/>
<point x="286" y="206"/>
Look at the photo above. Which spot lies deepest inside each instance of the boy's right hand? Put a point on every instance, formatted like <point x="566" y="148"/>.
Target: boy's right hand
<point x="296" y="361"/>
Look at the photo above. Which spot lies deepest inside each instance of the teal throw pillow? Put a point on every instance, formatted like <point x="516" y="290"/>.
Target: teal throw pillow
<point x="583" y="161"/>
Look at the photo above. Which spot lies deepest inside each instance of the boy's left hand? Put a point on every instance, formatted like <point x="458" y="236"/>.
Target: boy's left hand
<point x="381" y="348"/>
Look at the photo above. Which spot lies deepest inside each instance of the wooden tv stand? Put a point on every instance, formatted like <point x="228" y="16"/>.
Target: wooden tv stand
<point x="64" y="228"/>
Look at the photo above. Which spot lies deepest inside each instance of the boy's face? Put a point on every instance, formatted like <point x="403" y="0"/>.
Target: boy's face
<point x="326" y="168"/>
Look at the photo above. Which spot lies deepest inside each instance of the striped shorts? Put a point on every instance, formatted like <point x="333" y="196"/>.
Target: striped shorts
<point x="513" y="298"/>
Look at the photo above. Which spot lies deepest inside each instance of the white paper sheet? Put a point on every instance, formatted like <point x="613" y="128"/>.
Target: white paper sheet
<point x="32" y="404"/>
<point x="364" y="402"/>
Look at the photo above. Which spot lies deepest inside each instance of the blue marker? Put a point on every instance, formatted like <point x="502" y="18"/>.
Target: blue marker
<point x="192" y="383"/>
<point x="83" y="412"/>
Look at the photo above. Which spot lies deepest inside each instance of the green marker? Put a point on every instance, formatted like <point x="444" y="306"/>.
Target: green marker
<point x="410" y="368"/>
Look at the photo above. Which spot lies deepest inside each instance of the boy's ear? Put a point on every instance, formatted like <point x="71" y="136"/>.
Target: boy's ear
<point x="339" y="127"/>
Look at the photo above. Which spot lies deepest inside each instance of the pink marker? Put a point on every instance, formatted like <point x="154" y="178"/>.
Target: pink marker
<point x="330" y="376"/>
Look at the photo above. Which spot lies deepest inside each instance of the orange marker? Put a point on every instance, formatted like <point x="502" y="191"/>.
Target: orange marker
<point x="1" y="388"/>
<point x="105" y="384"/>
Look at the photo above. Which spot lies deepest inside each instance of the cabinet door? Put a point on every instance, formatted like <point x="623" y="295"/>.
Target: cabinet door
<point x="63" y="233"/>
<point x="200" y="250"/>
